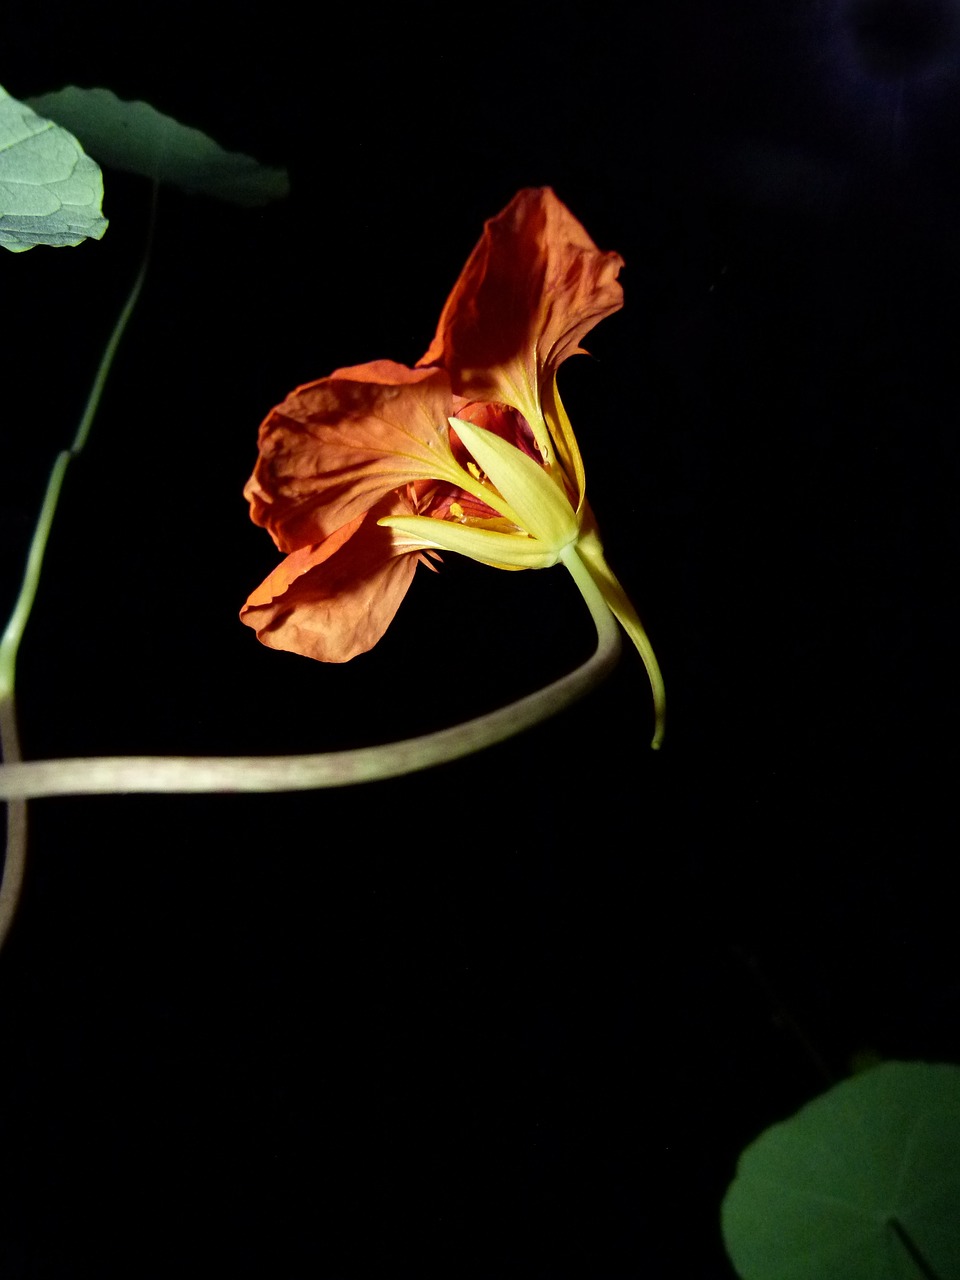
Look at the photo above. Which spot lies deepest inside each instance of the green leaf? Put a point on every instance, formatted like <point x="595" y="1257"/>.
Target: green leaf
<point x="50" y="192"/>
<point x="863" y="1183"/>
<point x="135" y="137"/>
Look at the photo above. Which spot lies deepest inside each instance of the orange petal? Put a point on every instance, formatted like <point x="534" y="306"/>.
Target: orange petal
<point x="335" y="447"/>
<point x="335" y="600"/>
<point x="532" y="288"/>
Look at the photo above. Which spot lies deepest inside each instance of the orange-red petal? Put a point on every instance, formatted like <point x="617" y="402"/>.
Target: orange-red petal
<point x="532" y="288"/>
<point x="335" y="447"/>
<point x="335" y="600"/>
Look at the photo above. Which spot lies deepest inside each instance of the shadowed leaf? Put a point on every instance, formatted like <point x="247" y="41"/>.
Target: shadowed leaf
<point x="135" y="137"/>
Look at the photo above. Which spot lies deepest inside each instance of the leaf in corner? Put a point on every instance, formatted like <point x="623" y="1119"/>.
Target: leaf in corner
<point x="862" y="1183"/>
<point x="50" y="192"/>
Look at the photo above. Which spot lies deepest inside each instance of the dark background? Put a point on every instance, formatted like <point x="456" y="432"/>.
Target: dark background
<point x="519" y="1015"/>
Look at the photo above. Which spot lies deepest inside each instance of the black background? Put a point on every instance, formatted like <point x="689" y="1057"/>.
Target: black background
<point x="519" y="1015"/>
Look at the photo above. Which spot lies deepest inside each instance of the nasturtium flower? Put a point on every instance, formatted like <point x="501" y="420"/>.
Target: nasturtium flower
<point x="367" y="473"/>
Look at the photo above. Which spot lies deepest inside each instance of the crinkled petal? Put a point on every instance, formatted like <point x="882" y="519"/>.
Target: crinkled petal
<point x="334" y="601"/>
<point x="532" y="288"/>
<point x="335" y="447"/>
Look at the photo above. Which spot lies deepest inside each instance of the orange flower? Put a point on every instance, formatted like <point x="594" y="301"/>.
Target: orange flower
<point x="364" y="474"/>
<point x="532" y="288"/>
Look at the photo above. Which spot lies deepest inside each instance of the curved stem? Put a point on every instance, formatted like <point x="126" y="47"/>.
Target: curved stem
<point x="16" y="848"/>
<point x="333" y="769"/>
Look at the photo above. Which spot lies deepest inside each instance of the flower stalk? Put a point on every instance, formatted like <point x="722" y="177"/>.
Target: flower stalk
<point x="189" y="774"/>
<point x="15" y="854"/>
<point x="363" y="475"/>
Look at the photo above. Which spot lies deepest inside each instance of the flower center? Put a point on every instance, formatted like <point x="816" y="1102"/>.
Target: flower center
<point x="504" y="421"/>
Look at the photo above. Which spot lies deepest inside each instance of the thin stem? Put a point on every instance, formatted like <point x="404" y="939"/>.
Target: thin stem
<point x="13" y="633"/>
<point x="14" y="863"/>
<point x="114" y="774"/>
<point x="106" y="360"/>
<point x="782" y="1017"/>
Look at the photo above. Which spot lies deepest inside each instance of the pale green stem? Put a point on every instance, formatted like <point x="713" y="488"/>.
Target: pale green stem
<point x="16" y="848"/>
<point x="115" y="774"/>
<point x="15" y="860"/>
